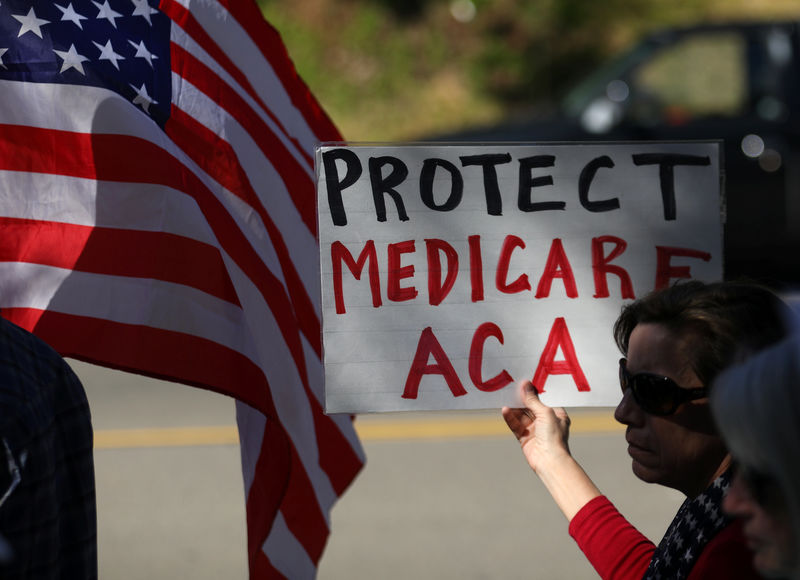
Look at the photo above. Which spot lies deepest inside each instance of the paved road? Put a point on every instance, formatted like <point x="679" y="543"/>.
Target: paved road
<point x="443" y="495"/>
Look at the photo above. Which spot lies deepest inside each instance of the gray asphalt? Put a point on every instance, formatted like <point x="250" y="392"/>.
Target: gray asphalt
<point x="423" y="508"/>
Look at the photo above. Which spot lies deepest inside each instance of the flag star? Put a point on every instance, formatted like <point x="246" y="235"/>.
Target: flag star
<point x="71" y="59"/>
<point x="2" y="52"/>
<point x="143" y="9"/>
<point x="143" y="99"/>
<point x="69" y="14"/>
<point x="107" y="53"/>
<point x="142" y="52"/>
<point x="30" y="23"/>
<point x="106" y="12"/>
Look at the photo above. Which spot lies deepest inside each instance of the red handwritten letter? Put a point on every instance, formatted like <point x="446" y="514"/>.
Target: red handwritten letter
<point x="396" y="273"/>
<point x="557" y="266"/>
<point x="520" y="283"/>
<point x="497" y="382"/>
<point x="601" y="267"/>
<point x="476" y="268"/>
<point x="340" y="253"/>
<point x="665" y="271"/>
<point x="427" y="346"/>
<point x="559" y="337"/>
<point x="437" y="291"/>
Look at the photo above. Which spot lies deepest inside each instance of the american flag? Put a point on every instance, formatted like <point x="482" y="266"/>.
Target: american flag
<point x="157" y="209"/>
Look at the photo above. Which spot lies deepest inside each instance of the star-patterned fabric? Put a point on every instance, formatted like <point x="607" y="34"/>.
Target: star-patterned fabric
<point x="696" y="523"/>
<point x="86" y="42"/>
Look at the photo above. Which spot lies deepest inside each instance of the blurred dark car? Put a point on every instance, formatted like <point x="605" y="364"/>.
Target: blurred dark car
<point x="739" y="82"/>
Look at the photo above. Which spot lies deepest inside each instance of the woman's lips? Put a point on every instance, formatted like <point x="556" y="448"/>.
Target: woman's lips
<point x="635" y="448"/>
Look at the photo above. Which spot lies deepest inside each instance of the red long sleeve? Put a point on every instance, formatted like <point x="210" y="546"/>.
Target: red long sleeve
<point x="616" y="549"/>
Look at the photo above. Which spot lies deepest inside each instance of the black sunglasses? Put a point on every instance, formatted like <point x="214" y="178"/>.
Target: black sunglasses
<point x="655" y="394"/>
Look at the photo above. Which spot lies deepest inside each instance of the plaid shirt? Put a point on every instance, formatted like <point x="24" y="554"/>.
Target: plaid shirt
<point x="47" y="495"/>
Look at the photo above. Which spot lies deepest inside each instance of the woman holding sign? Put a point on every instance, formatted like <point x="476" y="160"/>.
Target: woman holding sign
<point x="675" y="342"/>
<point x="757" y="408"/>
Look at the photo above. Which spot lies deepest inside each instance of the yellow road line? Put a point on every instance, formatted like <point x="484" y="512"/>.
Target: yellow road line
<point x="467" y="427"/>
<point x="165" y="437"/>
<point x="368" y="430"/>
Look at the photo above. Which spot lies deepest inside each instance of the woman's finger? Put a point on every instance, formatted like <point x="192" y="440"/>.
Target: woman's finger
<point x="531" y="397"/>
<point x="517" y="420"/>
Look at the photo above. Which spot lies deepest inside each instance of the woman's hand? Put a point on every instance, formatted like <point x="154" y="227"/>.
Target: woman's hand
<point x="542" y="432"/>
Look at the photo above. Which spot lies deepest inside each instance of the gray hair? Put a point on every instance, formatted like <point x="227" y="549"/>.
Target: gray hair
<point x="756" y="405"/>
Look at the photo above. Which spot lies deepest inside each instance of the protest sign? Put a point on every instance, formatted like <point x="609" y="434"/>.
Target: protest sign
<point x="450" y="272"/>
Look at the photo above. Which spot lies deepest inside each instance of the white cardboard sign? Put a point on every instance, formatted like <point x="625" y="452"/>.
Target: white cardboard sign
<point x="450" y="272"/>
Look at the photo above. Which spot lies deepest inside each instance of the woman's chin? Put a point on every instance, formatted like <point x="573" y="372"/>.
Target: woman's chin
<point x="645" y="473"/>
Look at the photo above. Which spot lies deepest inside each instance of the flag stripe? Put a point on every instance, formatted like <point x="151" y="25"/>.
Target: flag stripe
<point x="201" y="77"/>
<point x="287" y="555"/>
<point x="261" y="567"/>
<point x="132" y="253"/>
<point x="183" y="18"/>
<point x="153" y="352"/>
<point x="217" y="158"/>
<point x="180" y="309"/>
<point x="304" y="518"/>
<point x="269" y="42"/>
<point x="146" y="207"/>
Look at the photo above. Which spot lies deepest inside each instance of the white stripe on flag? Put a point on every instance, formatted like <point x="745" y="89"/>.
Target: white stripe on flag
<point x="286" y="553"/>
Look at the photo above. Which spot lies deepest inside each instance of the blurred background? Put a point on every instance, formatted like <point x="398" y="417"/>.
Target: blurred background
<point x="389" y="70"/>
<point x="449" y="495"/>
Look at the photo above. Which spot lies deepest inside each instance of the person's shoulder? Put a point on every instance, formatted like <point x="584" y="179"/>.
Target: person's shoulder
<point x="33" y="375"/>
<point x="25" y="354"/>
<point x="16" y="342"/>
<point x="725" y="556"/>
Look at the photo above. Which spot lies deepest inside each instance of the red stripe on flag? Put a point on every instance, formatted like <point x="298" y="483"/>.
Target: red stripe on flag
<point x="261" y="567"/>
<point x="186" y="20"/>
<point x="303" y="518"/>
<point x="298" y="183"/>
<point x="266" y="495"/>
<point x="269" y="42"/>
<point x="153" y="352"/>
<point x="117" y="252"/>
<point x="336" y="455"/>
<point x="217" y="158"/>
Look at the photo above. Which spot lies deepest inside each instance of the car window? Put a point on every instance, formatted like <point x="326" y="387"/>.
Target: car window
<point x="700" y="75"/>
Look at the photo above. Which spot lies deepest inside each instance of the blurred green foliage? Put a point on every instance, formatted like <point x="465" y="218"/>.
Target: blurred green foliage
<point x="400" y="69"/>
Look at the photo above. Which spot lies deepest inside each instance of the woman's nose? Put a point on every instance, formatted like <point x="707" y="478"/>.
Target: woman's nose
<point x="627" y="410"/>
